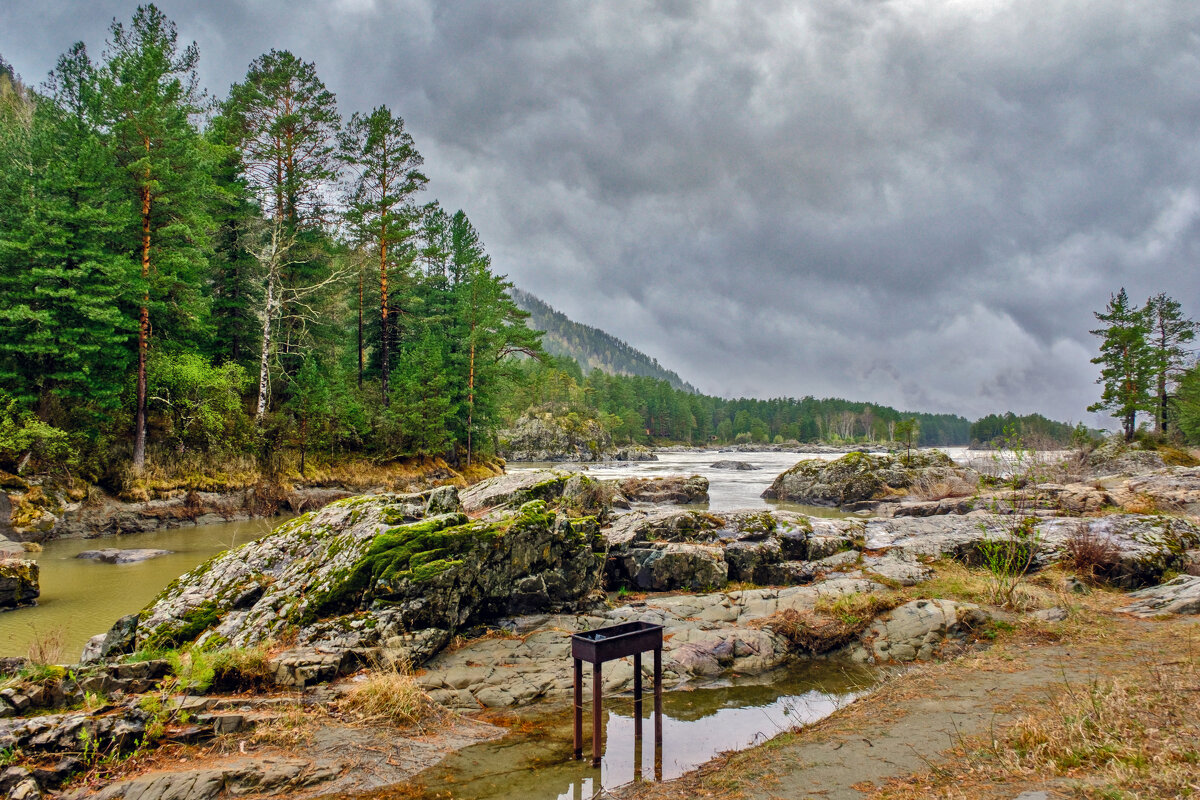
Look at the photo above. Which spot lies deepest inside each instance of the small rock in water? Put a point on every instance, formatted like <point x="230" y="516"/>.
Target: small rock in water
<point x="113" y="555"/>
<point x="742" y="465"/>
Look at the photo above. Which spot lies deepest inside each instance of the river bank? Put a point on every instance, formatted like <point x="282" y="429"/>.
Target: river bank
<point x="43" y="508"/>
<point x="482" y="589"/>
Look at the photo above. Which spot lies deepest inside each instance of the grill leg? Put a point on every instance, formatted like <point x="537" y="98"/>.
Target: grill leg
<point x="658" y="697"/>
<point x="597" y="685"/>
<point x="637" y="695"/>
<point x="578" y="708"/>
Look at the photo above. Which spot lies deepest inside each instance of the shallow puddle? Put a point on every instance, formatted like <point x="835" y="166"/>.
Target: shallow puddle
<point x="535" y="761"/>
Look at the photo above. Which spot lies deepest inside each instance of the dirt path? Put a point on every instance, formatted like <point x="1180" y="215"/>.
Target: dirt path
<point x="915" y="722"/>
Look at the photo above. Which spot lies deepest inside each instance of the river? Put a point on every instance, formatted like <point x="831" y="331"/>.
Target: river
<point x="81" y="598"/>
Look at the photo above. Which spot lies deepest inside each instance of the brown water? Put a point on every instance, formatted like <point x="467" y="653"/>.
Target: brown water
<point x="697" y="726"/>
<point x="81" y="598"/>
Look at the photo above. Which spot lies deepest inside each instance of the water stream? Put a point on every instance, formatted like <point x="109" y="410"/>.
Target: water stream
<point x="535" y="762"/>
<point x="81" y="597"/>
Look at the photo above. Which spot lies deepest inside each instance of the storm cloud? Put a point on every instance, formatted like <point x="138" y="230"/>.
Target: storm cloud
<point x="912" y="202"/>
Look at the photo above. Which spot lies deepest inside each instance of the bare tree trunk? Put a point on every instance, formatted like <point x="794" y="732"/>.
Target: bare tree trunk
<point x="139" y="424"/>
<point x="360" y="326"/>
<point x="383" y="309"/>
<point x="264" y="371"/>
<point x="471" y="393"/>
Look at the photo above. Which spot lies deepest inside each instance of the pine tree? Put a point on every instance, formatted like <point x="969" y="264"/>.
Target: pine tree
<point x="1169" y="332"/>
<point x="63" y="335"/>
<point x="380" y="214"/>
<point x="285" y="122"/>
<point x="489" y="330"/>
<point x="1127" y="362"/>
<point x="149" y="93"/>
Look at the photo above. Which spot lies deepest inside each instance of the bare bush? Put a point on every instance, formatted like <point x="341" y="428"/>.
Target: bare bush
<point x="1089" y="554"/>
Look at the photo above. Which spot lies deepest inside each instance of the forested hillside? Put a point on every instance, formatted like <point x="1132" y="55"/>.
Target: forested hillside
<point x="591" y="347"/>
<point x="648" y="410"/>
<point x="258" y="278"/>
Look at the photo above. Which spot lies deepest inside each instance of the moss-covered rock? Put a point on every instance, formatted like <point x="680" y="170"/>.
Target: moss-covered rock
<point x="18" y="582"/>
<point x="367" y="563"/>
<point x="858" y="477"/>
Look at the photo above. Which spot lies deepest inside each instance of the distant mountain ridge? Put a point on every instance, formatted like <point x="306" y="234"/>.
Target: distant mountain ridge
<point x="591" y="347"/>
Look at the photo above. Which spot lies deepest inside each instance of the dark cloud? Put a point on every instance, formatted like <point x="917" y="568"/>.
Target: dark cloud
<point x="916" y="202"/>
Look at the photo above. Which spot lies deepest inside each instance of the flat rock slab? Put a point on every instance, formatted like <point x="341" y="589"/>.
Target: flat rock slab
<point x="114" y="555"/>
<point x="705" y="635"/>
<point x="1180" y="595"/>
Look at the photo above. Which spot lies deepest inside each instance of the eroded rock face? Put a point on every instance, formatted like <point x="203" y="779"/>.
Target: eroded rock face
<point x="665" y="549"/>
<point x="18" y="582"/>
<point x="858" y="477"/>
<point x="368" y="569"/>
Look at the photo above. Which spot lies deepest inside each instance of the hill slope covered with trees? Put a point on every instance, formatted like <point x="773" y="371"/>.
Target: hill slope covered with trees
<point x="591" y="347"/>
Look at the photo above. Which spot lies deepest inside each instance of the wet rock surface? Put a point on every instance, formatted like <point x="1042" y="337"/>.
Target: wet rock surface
<point x="705" y="635"/>
<point x="112" y="555"/>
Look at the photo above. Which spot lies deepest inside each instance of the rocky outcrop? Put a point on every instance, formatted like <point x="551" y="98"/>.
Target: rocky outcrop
<point x="1115" y="457"/>
<point x="274" y="776"/>
<point x="543" y="436"/>
<point x="679" y="489"/>
<point x="858" y="477"/>
<point x="18" y="583"/>
<point x="372" y="571"/>
<point x="663" y="550"/>
<point x="736" y="465"/>
<point x="1180" y="595"/>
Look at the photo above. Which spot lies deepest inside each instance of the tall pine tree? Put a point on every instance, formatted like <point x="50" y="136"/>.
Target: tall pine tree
<point x="1127" y="363"/>
<point x="149" y="94"/>
<point x="1169" y="333"/>
<point x="380" y="213"/>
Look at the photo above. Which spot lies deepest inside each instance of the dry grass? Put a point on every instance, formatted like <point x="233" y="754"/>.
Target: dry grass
<point x="1089" y="554"/>
<point x="832" y="623"/>
<point x="293" y="727"/>
<point x="389" y="695"/>
<point x="46" y="647"/>
<point x="1141" y="504"/>
<point x="167" y="474"/>
<point x="929" y="488"/>
<point x="1129" y="736"/>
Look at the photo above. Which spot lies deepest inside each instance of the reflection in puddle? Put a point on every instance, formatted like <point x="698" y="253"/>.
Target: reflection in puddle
<point x="697" y="726"/>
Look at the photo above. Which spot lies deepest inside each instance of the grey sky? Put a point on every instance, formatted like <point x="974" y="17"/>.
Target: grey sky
<point x="914" y="202"/>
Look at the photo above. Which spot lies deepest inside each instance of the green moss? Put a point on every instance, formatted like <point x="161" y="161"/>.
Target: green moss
<point x="417" y="553"/>
<point x="193" y="623"/>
